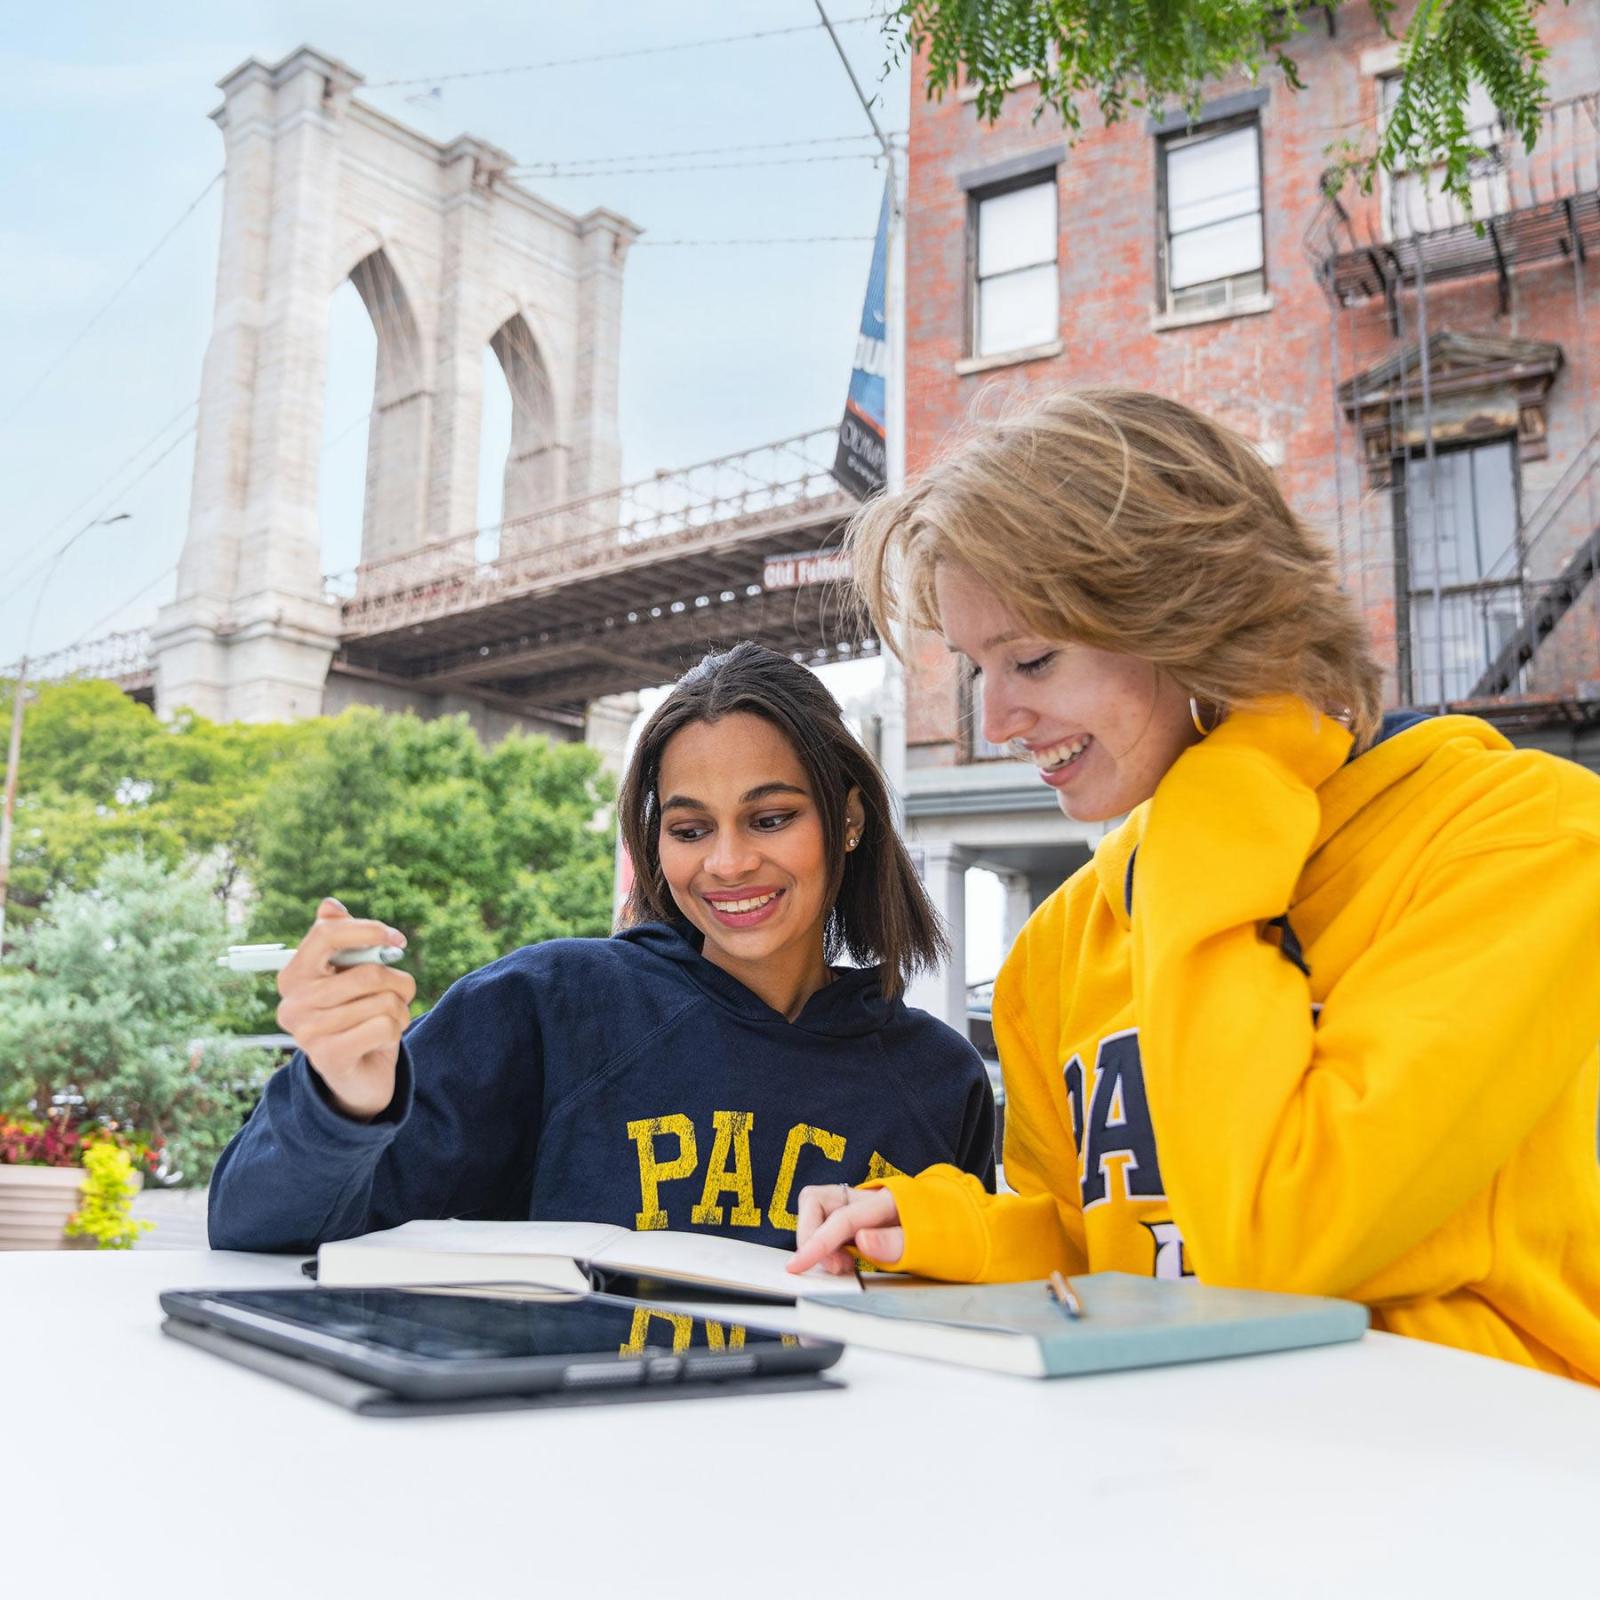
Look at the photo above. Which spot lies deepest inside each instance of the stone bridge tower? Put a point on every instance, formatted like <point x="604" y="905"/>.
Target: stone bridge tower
<point x="449" y="255"/>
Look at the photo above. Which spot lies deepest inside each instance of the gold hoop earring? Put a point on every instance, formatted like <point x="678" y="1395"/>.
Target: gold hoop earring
<point x="1194" y="717"/>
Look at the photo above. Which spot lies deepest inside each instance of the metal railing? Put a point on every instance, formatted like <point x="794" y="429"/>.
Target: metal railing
<point x="1518" y="644"/>
<point x="122" y="658"/>
<point x="624" y="525"/>
<point x="1548" y="642"/>
<point x="1561" y="167"/>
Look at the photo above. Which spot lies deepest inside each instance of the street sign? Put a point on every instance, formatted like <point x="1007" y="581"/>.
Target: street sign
<point x="806" y="567"/>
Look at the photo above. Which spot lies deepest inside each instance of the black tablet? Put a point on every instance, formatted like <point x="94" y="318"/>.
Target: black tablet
<point x="429" y="1346"/>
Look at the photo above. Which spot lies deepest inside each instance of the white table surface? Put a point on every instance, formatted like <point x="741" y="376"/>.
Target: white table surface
<point x="130" y="1464"/>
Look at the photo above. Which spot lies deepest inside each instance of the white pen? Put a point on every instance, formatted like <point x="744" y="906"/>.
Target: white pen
<point x="275" y="957"/>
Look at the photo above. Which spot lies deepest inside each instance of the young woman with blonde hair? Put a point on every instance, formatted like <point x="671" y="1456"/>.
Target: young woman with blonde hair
<point x="1322" y="1013"/>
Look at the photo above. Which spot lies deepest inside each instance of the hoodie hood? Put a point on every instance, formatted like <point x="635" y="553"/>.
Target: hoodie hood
<point x="1407" y="741"/>
<point x="853" y="1004"/>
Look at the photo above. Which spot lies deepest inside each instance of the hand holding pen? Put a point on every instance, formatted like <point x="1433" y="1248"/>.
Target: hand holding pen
<point x="347" y="1018"/>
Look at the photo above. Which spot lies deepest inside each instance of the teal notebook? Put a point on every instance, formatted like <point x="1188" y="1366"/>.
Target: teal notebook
<point x="1128" y="1321"/>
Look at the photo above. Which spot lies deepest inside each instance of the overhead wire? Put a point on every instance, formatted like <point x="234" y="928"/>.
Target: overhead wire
<point x="799" y="238"/>
<point x="122" y="605"/>
<point x="614" y="55"/>
<point x="554" y="171"/>
<point x="700" y="150"/>
<point x="116" y="472"/>
<point x="45" y="560"/>
<point x="88" y="327"/>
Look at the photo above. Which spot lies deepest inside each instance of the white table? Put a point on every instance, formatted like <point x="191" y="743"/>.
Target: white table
<point x="1382" y="1468"/>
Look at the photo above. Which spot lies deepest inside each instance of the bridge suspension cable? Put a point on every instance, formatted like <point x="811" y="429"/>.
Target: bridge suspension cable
<point x="116" y="294"/>
<point x="45" y="560"/>
<point x="116" y="472"/>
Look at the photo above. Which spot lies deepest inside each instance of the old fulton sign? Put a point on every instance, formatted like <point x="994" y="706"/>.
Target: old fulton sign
<point x="809" y="566"/>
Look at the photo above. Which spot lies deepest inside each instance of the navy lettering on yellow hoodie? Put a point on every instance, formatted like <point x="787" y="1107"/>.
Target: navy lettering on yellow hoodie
<point x="623" y="1080"/>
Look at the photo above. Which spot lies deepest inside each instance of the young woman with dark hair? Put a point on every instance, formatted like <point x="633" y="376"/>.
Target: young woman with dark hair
<point x="694" y="1070"/>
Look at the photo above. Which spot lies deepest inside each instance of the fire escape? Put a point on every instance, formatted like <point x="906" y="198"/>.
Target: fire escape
<point x="1496" y="603"/>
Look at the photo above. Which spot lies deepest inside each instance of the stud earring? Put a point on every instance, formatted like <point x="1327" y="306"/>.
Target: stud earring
<point x="850" y="843"/>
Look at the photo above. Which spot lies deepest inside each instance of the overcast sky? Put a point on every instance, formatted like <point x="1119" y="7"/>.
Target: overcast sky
<point x="103" y="114"/>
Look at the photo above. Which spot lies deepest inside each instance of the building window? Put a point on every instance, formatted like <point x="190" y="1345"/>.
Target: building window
<point x="974" y="747"/>
<point x="1413" y="197"/>
<point x="1467" y="533"/>
<point x="1210" y="199"/>
<point x="1015" y="298"/>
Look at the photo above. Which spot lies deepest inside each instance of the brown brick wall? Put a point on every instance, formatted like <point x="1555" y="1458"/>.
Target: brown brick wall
<point x="1271" y="375"/>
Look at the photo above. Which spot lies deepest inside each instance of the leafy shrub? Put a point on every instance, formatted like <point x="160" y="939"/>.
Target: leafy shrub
<point x="106" y="1214"/>
<point x="106" y="1006"/>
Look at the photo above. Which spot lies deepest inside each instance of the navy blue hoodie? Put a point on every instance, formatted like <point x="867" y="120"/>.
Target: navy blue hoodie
<point x="623" y="1080"/>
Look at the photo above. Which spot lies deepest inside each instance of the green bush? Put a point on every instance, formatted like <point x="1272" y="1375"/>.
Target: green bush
<point x="108" y="1006"/>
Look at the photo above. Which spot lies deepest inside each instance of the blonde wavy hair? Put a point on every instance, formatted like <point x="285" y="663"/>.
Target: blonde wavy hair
<point x="1130" y="522"/>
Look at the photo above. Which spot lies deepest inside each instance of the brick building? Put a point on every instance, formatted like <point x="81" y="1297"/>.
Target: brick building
<point x="1375" y="347"/>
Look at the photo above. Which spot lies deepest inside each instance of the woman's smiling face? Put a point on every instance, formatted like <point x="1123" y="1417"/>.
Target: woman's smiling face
<point x="1102" y="728"/>
<point x="742" y="844"/>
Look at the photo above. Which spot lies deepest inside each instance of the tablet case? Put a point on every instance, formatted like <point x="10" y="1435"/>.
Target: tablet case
<point x="368" y="1400"/>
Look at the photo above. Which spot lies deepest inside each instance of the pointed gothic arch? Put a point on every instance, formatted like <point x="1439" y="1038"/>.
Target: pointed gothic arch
<point x="536" y="463"/>
<point x="397" y="436"/>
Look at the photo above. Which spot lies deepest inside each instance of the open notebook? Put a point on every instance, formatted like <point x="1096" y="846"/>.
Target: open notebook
<point x="565" y="1255"/>
<point x="1128" y="1321"/>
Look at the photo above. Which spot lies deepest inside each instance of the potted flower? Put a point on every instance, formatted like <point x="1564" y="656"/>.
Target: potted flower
<point x="64" y="1183"/>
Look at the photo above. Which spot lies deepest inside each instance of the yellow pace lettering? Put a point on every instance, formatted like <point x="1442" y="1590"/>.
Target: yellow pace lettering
<point x="717" y="1339"/>
<point x="800" y="1135"/>
<point x="732" y="1137"/>
<point x="653" y="1173"/>
<point x="882" y="1167"/>
<point x="682" y="1328"/>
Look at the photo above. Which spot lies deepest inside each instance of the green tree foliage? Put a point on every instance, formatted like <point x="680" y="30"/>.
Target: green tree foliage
<point x="107" y="1005"/>
<point x="471" y="852"/>
<point x="1127" y="55"/>
<point x="99" y="776"/>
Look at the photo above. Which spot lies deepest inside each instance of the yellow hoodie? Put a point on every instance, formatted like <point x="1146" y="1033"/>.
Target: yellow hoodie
<point x="1390" y="1096"/>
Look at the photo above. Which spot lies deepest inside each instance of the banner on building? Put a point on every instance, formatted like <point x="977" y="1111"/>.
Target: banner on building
<point x="861" y="461"/>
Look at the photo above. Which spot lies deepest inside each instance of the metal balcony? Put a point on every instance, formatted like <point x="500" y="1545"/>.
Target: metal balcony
<point x="1528" y="205"/>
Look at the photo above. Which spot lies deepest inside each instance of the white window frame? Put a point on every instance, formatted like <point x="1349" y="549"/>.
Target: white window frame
<point x="1043" y="177"/>
<point x="1497" y="590"/>
<point x="1239" y="289"/>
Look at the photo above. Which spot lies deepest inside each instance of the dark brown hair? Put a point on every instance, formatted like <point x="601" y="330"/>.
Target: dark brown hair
<point x="877" y="911"/>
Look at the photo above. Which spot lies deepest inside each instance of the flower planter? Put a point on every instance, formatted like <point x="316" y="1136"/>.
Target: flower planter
<point x="35" y="1203"/>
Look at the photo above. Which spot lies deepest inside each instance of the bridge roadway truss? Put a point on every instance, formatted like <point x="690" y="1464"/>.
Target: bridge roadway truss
<point x="616" y="591"/>
<point x="613" y="592"/>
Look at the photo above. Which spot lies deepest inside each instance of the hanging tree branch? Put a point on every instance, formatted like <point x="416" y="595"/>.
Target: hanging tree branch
<point x="1127" y="56"/>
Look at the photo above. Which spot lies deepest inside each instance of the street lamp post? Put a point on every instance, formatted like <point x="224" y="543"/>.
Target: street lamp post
<point x="19" y="693"/>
